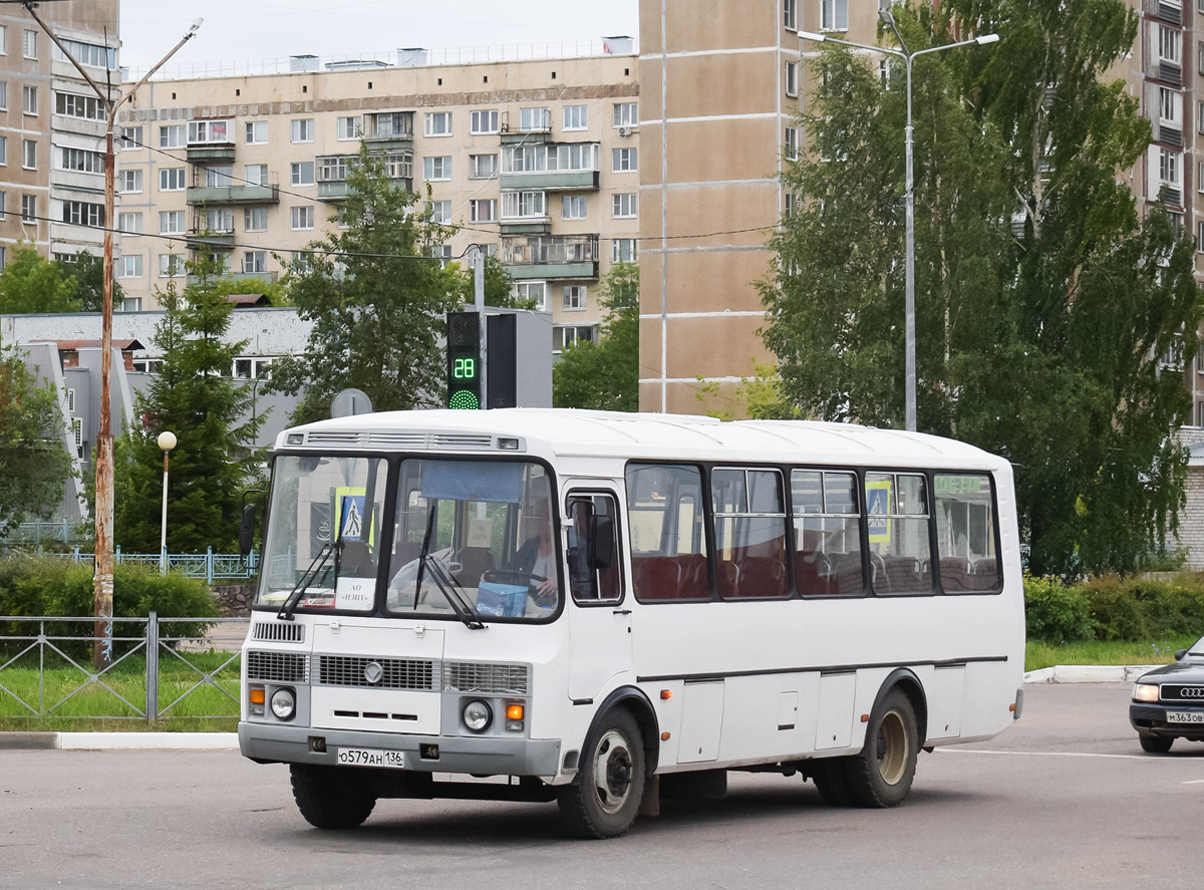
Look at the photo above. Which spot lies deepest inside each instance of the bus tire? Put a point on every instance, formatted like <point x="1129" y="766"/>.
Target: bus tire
<point x="604" y="798"/>
<point x="881" y="775"/>
<point x="329" y="798"/>
<point x="830" y="776"/>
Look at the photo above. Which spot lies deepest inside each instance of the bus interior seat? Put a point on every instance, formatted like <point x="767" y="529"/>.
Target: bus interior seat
<point x="906" y="575"/>
<point x="846" y="573"/>
<point x="986" y="575"/>
<point x="955" y="573"/>
<point x="405" y="552"/>
<point x="655" y="577"/>
<point x="474" y="562"/>
<point x="693" y="583"/>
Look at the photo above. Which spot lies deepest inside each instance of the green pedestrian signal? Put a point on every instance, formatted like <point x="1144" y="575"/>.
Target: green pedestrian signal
<point x="463" y="360"/>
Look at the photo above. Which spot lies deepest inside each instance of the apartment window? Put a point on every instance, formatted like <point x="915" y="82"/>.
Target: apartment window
<point x="576" y="117"/>
<point x="94" y="54"/>
<point x="129" y="223"/>
<point x="623" y="250"/>
<point x="86" y="161"/>
<point x="3" y="95"/>
<point x="624" y="206"/>
<point x="834" y="15"/>
<point x="441" y="211"/>
<point x="255" y="261"/>
<point x="790" y="14"/>
<point x="29" y="99"/>
<point x="219" y="177"/>
<point x="1200" y="56"/>
<point x="210" y="132"/>
<point x="132" y="304"/>
<point x="1169" y="102"/>
<point x="482" y="210"/>
<point x="303" y="130"/>
<point x="574" y="296"/>
<point x="626" y="114"/>
<point x="533" y="290"/>
<point x="482" y="166"/>
<point x="350" y="128"/>
<point x="256" y="174"/>
<point x="29" y="154"/>
<point x="399" y="165"/>
<point x="170" y="265"/>
<point x="437" y="123"/>
<point x="129" y="181"/>
<point x="171" y="222"/>
<point x="1169" y="42"/>
<point x="524" y="205"/>
<point x="791" y="144"/>
<point x="301" y="218"/>
<point x="74" y="105"/>
<point x="3" y="48"/>
<point x="220" y="221"/>
<point x="483" y="122"/>
<point x="129" y="138"/>
<point x="83" y="213"/>
<point x="442" y="252"/>
<point x="255" y="219"/>
<point x="29" y="208"/>
<point x="171" y="179"/>
<point x="437" y="169"/>
<point x="1168" y="167"/>
<point x="623" y="160"/>
<point x="130" y="267"/>
<point x="792" y="78"/>
<point x="303" y="173"/>
<point x="567" y="336"/>
<point x="577" y="156"/>
<point x="257" y="132"/>
<point x="534" y="120"/>
<point x="29" y="47"/>
<point x="524" y="158"/>
<point x="574" y="207"/>
<point x="173" y="136"/>
<point x="788" y="204"/>
<point x="3" y="208"/>
<point x="3" y="151"/>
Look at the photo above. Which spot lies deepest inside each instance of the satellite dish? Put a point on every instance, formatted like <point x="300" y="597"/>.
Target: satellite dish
<point x="350" y="402"/>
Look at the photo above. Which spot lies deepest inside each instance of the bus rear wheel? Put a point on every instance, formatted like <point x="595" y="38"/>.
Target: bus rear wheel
<point x="604" y="798"/>
<point x="330" y="798"/>
<point x="831" y="778"/>
<point x="881" y="775"/>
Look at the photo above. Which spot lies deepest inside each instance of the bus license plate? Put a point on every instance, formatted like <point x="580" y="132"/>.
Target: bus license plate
<point x="1185" y="717"/>
<point x="370" y="757"/>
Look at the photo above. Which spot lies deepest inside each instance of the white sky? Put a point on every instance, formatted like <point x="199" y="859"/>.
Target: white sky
<point x="241" y="30"/>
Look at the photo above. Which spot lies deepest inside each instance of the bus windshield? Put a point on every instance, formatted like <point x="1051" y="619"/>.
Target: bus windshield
<point x="474" y="537"/>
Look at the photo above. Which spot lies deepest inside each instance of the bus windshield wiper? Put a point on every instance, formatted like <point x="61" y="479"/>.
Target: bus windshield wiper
<point x="446" y="586"/>
<point x="315" y="569"/>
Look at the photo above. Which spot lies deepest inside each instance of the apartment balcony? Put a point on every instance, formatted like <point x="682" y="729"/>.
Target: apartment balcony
<point x="209" y="153"/>
<point x="390" y="130"/>
<point x="332" y="173"/>
<point x="552" y="181"/>
<point x="264" y="277"/>
<point x="550" y="256"/>
<point x="526" y="137"/>
<point x="233" y="194"/>
<point x="1169" y="135"/>
<point x="202" y="239"/>
<point x="1169" y="12"/>
<point x="210" y="140"/>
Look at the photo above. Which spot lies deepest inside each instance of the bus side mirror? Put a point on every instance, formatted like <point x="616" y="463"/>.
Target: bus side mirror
<point x="603" y="542"/>
<point x="246" y="531"/>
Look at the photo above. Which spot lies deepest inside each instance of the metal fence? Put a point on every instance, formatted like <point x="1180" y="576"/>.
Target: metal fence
<point x="58" y="531"/>
<point x="45" y="650"/>
<point x="208" y="565"/>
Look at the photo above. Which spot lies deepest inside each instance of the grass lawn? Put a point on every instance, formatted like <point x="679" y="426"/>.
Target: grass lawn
<point x="1040" y="655"/>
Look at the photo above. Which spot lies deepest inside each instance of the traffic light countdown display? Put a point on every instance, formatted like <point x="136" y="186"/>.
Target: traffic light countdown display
<point x="463" y="360"/>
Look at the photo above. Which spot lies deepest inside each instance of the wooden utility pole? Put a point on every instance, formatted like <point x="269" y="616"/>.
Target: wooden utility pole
<point x="102" y="578"/>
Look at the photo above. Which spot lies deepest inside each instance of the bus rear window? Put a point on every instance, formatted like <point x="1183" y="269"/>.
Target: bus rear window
<point x="668" y="540"/>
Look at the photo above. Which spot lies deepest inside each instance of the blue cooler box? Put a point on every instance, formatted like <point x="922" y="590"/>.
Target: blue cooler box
<point x="502" y="600"/>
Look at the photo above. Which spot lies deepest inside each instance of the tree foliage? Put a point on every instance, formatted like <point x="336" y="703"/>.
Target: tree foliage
<point x="34" y="464"/>
<point x="377" y="302"/>
<point x="499" y="286"/>
<point x="193" y="396"/>
<point x="605" y="375"/>
<point x="89" y="273"/>
<point x="30" y="283"/>
<point x="1043" y="299"/>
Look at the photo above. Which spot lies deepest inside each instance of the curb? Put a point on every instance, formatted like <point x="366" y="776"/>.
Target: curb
<point x="118" y="741"/>
<point x="1088" y="673"/>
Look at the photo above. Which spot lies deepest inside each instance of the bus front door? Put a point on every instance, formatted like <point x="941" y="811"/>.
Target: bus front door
<point x="599" y="617"/>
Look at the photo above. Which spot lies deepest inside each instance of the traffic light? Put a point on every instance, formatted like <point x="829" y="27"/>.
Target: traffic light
<point x="463" y="360"/>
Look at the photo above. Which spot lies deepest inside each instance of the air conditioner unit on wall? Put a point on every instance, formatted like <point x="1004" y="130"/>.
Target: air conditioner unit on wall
<point x="624" y="131"/>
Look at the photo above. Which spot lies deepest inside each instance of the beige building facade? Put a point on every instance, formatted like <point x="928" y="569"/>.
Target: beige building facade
<point x="52" y="127"/>
<point x="537" y="161"/>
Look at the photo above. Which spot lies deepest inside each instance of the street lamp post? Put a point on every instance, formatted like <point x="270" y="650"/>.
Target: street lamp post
<point x="102" y="579"/>
<point x="167" y="441"/>
<point x="907" y="56"/>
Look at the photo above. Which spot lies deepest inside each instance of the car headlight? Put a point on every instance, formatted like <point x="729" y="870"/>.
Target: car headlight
<point x="1146" y="692"/>
<point x="477" y="715"/>
<point x="284" y="704"/>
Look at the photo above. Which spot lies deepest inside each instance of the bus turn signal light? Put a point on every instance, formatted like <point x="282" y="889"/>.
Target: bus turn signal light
<point x="514" y="712"/>
<point x="666" y="694"/>
<point x="257" y="696"/>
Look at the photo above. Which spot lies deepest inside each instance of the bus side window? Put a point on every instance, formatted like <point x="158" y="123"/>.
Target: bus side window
<point x="668" y="540"/>
<point x="827" y="533"/>
<point x="594" y="582"/>
<point x="965" y="533"/>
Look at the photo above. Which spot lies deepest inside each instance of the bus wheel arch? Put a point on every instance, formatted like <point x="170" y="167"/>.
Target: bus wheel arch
<point x="881" y="774"/>
<point x="906" y="680"/>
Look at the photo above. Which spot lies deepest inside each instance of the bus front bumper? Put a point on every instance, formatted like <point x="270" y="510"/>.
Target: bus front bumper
<point x="487" y="755"/>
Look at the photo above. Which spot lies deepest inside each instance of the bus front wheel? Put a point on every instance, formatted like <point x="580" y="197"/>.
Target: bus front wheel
<point x="604" y="798"/>
<point x="328" y="797"/>
<point x="881" y="775"/>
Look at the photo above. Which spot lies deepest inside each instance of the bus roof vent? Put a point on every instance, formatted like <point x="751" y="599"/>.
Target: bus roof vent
<point x="463" y="441"/>
<point x="399" y="439"/>
<point x="323" y="437"/>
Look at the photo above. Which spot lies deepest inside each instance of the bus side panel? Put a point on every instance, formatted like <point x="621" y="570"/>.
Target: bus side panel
<point x="770" y="715"/>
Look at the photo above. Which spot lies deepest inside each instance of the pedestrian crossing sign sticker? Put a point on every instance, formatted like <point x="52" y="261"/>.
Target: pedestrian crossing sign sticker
<point x="877" y="503"/>
<point x="349" y="508"/>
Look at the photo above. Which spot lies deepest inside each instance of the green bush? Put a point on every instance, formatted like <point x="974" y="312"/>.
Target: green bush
<point x="1055" y="613"/>
<point x="1109" y="609"/>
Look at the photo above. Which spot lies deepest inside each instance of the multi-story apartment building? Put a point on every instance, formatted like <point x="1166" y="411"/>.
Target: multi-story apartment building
<point x="52" y="126"/>
<point x="535" y="160"/>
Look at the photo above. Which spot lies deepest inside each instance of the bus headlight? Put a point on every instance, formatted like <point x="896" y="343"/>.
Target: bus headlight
<point x="477" y="715"/>
<point x="284" y="704"/>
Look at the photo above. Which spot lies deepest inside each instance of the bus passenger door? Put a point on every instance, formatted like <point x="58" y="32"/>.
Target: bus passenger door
<point x="599" y="620"/>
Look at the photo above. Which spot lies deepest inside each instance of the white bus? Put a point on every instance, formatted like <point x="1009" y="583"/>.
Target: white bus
<point x="599" y="609"/>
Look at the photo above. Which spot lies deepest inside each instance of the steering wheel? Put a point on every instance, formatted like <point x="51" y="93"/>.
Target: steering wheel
<point x="505" y="576"/>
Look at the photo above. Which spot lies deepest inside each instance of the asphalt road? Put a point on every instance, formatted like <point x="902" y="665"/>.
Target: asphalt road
<point x="1063" y="799"/>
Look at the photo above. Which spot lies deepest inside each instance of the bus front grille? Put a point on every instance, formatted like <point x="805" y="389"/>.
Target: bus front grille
<point x="281" y="632"/>
<point x="394" y="673"/>
<point x="277" y="667"/>
<point x="495" y="679"/>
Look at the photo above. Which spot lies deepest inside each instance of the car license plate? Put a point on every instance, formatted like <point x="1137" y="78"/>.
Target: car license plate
<point x="370" y="757"/>
<point x="1185" y="716"/>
